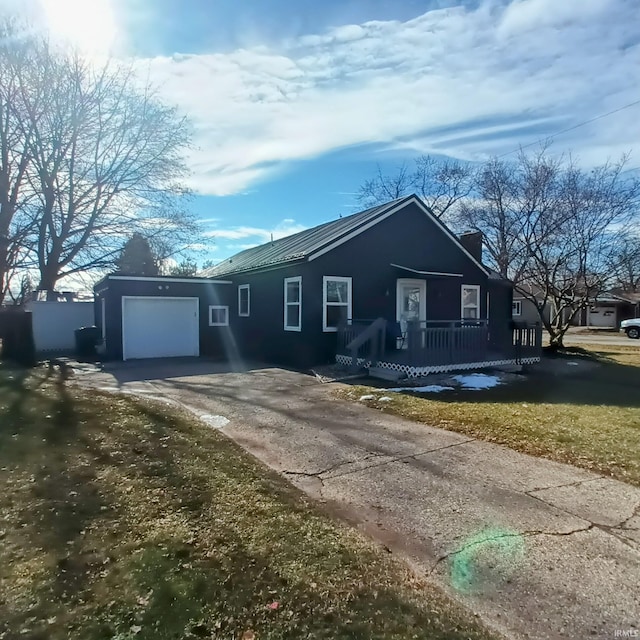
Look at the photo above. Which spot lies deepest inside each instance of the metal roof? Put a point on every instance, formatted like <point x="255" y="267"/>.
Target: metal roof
<point x="299" y="245"/>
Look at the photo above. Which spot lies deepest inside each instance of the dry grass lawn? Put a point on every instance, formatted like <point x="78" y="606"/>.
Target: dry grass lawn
<point x="125" y="520"/>
<point x="590" y="419"/>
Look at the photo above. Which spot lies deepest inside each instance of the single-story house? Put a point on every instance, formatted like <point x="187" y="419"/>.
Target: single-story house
<point x="390" y="286"/>
<point x="606" y="311"/>
<point x="523" y="308"/>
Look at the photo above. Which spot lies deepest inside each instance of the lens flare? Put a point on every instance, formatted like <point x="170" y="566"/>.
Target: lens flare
<point x="486" y="559"/>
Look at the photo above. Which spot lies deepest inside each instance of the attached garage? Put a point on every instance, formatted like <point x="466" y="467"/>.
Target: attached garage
<point x="602" y="316"/>
<point x="160" y="327"/>
<point x="164" y="317"/>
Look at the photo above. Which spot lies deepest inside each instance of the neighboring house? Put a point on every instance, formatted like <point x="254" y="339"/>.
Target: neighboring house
<point x="523" y="309"/>
<point x="391" y="280"/>
<point x="606" y="311"/>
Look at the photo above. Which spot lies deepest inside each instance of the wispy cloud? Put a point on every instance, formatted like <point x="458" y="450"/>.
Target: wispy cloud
<point x="201" y="246"/>
<point x="462" y="81"/>
<point x="284" y="228"/>
<point x="242" y="247"/>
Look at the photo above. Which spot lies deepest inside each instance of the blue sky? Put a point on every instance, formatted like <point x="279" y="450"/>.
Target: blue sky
<point x="295" y="102"/>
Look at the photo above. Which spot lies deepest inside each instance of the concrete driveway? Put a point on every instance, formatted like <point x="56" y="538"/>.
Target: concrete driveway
<point x="537" y="549"/>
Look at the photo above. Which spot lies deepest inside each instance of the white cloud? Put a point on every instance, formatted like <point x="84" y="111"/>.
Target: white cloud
<point x="460" y="81"/>
<point x="201" y="246"/>
<point x="284" y="228"/>
<point x="526" y="15"/>
<point x="242" y="247"/>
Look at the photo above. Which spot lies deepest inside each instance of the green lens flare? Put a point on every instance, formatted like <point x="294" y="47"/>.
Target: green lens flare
<point x="487" y="558"/>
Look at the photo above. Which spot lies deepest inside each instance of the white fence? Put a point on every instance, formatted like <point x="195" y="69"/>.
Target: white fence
<point x="55" y="322"/>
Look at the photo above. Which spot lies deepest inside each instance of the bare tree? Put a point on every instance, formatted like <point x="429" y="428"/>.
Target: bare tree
<point x="15" y="159"/>
<point x="552" y="228"/>
<point x="107" y="159"/>
<point x="515" y="206"/>
<point x="441" y="184"/>
<point x="549" y="226"/>
<point x="625" y="263"/>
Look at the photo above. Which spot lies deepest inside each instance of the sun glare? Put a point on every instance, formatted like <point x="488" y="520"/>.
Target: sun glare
<point x="88" y="25"/>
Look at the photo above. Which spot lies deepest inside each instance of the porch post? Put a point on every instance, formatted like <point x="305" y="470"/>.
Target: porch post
<point x="412" y="339"/>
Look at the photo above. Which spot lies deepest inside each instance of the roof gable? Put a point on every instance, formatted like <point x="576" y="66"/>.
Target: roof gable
<point x="315" y="242"/>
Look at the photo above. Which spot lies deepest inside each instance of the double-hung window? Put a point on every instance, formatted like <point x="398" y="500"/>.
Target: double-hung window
<point x="293" y="304"/>
<point x="336" y="303"/>
<point x="470" y="301"/>
<point x="516" y="308"/>
<point x="244" y="300"/>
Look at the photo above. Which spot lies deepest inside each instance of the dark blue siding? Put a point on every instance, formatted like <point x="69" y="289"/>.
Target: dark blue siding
<point x="408" y="238"/>
<point x="214" y="341"/>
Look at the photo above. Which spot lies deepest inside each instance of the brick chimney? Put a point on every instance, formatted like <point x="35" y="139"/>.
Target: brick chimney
<point x="472" y="242"/>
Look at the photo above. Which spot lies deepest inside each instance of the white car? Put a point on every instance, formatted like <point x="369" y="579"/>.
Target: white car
<point x="631" y="328"/>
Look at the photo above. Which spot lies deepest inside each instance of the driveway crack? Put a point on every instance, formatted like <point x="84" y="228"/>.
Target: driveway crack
<point x="562" y="486"/>
<point x="623" y="525"/>
<point x="408" y="456"/>
<point x="369" y="456"/>
<point x="337" y="465"/>
<point x="501" y="536"/>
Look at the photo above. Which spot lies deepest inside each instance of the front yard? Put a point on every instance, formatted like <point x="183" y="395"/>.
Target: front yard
<point x="590" y="418"/>
<point x="125" y="520"/>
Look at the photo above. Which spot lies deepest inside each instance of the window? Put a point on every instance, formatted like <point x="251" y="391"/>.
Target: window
<point x="293" y="304"/>
<point x="336" y="303"/>
<point x="516" y="308"/>
<point x="470" y="301"/>
<point x="218" y="316"/>
<point x="244" y="300"/>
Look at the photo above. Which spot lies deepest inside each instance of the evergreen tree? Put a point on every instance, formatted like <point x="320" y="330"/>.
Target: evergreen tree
<point x="137" y="258"/>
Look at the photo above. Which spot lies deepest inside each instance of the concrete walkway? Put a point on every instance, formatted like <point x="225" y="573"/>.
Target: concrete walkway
<point x="537" y="549"/>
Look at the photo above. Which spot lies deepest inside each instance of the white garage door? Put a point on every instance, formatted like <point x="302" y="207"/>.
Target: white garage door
<point x="602" y="317"/>
<point x="159" y="327"/>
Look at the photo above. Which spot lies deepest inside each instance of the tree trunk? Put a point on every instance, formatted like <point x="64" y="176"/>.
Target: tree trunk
<point x="48" y="279"/>
<point x="4" y="254"/>
<point x="556" y="340"/>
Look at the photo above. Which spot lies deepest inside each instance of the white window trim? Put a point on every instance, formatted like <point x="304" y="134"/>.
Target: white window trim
<point x="287" y="327"/>
<point x="462" y="305"/>
<point x="422" y="285"/>
<point x="248" y="288"/>
<point x="325" y="304"/>
<point x="219" y="324"/>
<point x="518" y="306"/>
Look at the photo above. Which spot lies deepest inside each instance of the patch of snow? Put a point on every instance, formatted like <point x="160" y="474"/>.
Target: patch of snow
<point x="385" y="399"/>
<point x="217" y="422"/>
<point x="477" y="381"/>
<point x="430" y="388"/>
<point x="572" y="364"/>
<point x="367" y="397"/>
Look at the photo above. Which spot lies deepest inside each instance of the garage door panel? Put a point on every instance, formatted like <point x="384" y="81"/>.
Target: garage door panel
<point x="157" y="327"/>
<point x="602" y="317"/>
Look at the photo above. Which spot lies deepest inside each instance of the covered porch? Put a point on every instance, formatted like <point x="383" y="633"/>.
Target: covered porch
<point x="389" y="350"/>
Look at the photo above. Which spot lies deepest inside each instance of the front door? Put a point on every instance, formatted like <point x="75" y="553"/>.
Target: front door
<point x="411" y="302"/>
